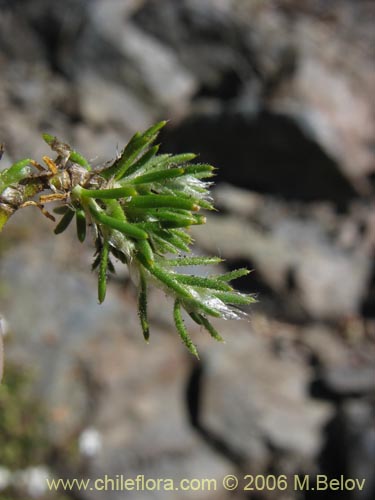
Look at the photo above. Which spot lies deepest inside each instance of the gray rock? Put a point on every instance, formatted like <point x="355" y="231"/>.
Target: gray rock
<point x="266" y="151"/>
<point x="22" y="47"/>
<point x="251" y="398"/>
<point x="351" y="380"/>
<point x="361" y="444"/>
<point x="316" y="262"/>
<point x="337" y="117"/>
<point x="141" y="415"/>
<point x="332" y="282"/>
<point x="103" y="104"/>
<point x="145" y="66"/>
<point x="258" y="61"/>
<point x="206" y="38"/>
<point x="92" y="369"/>
<point x="327" y="346"/>
<point x="52" y="314"/>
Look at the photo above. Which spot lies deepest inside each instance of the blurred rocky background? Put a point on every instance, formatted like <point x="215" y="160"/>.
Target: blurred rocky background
<point x="278" y="94"/>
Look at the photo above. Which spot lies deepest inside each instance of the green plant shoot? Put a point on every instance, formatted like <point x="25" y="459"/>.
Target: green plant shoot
<point x="140" y="209"/>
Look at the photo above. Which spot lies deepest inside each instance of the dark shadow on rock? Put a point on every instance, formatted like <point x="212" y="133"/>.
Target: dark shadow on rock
<point x="264" y="152"/>
<point x="346" y="448"/>
<point x="368" y="305"/>
<point x="208" y="41"/>
<point x="253" y="282"/>
<point x="56" y="26"/>
<point x="194" y="396"/>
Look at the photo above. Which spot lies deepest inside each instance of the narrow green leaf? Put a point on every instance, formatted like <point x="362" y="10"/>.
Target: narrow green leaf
<point x="162" y="246"/>
<point x="144" y="214"/>
<point x="176" y="160"/>
<point x="179" y="222"/>
<point x="179" y="219"/>
<point x="124" y="227"/>
<point x="159" y="163"/>
<point x="210" y="328"/>
<point x="204" y="204"/>
<point x="145" y="160"/>
<point x="148" y="227"/>
<point x="166" y="219"/>
<point x="161" y="224"/>
<point x="160" y="175"/>
<point x="232" y="275"/>
<point x="235" y="298"/>
<point x="184" y="293"/>
<point x="199" y="170"/>
<point x="198" y="200"/>
<point x="81" y="225"/>
<point x="74" y="156"/>
<point x="150" y="132"/>
<point x="102" y="276"/>
<point x="192" y="261"/>
<point x="14" y="174"/>
<point x="61" y="210"/>
<point x="4" y="216"/>
<point x="134" y="148"/>
<point x="196" y="317"/>
<point x="109" y="194"/>
<point x="118" y="254"/>
<point x="174" y="239"/>
<point x="96" y="261"/>
<point x="142" y="306"/>
<point x="167" y="279"/>
<point x="120" y="163"/>
<point x="182" y="235"/>
<point x="114" y="209"/>
<point x="156" y="200"/>
<point x="49" y="139"/>
<point x="202" y="282"/>
<point x="111" y="267"/>
<point x="145" y="249"/>
<point x="199" y="219"/>
<point x="64" y="221"/>
<point x="154" y="226"/>
<point x="179" y="322"/>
